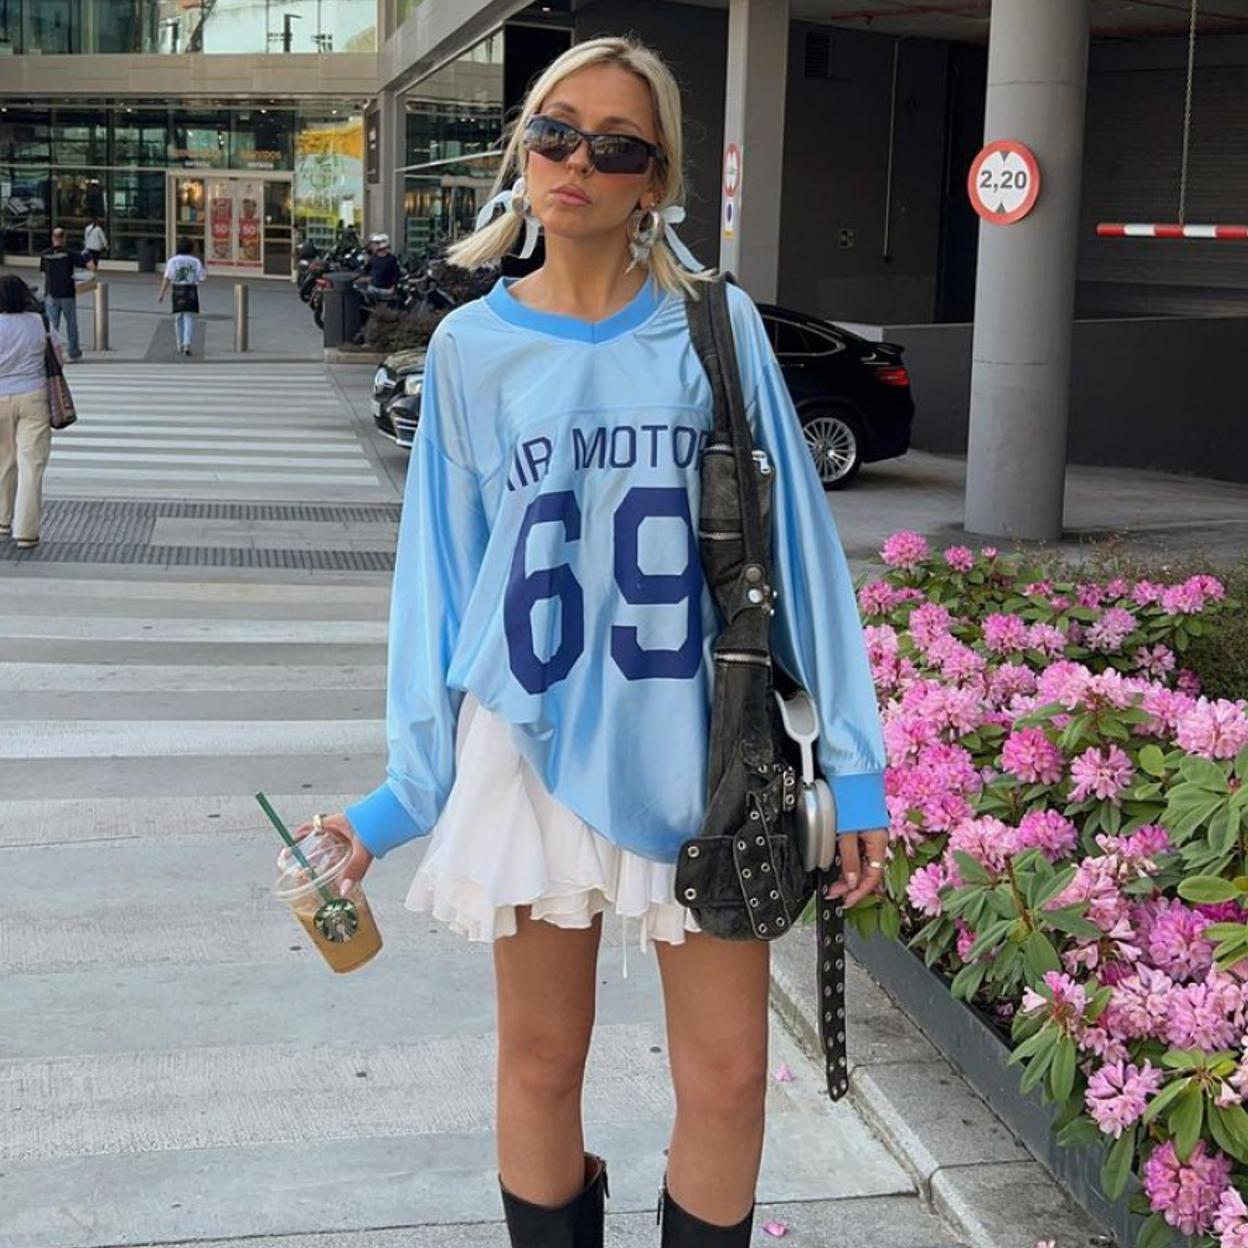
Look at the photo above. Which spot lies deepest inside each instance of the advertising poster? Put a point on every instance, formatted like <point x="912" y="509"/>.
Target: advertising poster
<point x="250" y="223"/>
<point x="220" y="222"/>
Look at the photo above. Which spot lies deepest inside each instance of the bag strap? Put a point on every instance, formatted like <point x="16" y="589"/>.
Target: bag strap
<point x="51" y="362"/>
<point x="710" y="327"/>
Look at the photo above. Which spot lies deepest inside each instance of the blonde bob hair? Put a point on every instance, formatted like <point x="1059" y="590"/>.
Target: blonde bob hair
<point x="493" y="241"/>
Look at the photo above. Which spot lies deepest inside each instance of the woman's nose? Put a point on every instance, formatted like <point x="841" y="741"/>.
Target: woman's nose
<point x="579" y="158"/>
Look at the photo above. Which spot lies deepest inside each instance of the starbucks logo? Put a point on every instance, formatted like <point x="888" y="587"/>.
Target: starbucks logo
<point x="338" y="920"/>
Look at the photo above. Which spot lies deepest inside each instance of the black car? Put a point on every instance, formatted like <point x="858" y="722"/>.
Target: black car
<point x="852" y="395"/>
<point x="396" y="395"/>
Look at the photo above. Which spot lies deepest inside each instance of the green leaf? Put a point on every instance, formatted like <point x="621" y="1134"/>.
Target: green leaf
<point x="1207" y="889"/>
<point x="1203" y="772"/>
<point x="1037" y="1068"/>
<point x="1045" y="1037"/>
<point x="1186" y="1119"/>
<point x="1080" y="1133"/>
<point x="1164" y="1098"/>
<point x="1230" y="1130"/>
<point x="1055" y="885"/>
<point x="1155" y="1233"/>
<point x="1241" y="764"/>
<point x="890" y="920"/>
<point x="1062" y="1072"/>
<point x="1117" y="1166"/>
<point x="1153" y="761"/>
<point x="1069" y="920"/>
<point x="1040" y="956"/>
<point x="970" y="869"/>
<point x="967" y="981"/>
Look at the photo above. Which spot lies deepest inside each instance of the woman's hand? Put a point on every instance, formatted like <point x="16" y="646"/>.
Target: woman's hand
<point x="860" y="850"/>
<point x="360" y="860"/>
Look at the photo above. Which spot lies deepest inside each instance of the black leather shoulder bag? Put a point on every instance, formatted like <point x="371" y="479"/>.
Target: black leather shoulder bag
<point x="767" y="844"/>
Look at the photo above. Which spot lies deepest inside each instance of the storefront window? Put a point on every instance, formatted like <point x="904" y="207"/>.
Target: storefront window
<point x="25" y="135"/>
<point x="181" y="26"/>
<point x="26" y="195"/>
<point x="262" y="139"/>
<point x="329" y="174"/>
<point x="200" y="139"/>
<point x="138" y="202"/>
<point x="79" y="138"/>
<point x="140" y="137"/>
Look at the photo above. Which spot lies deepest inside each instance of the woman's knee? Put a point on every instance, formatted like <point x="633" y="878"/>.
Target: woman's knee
<point x="543" y="1066"/>
<point x="729" y="1082"/>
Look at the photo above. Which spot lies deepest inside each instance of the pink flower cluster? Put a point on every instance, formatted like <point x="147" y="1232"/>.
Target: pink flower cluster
<point x="975" y="701"/>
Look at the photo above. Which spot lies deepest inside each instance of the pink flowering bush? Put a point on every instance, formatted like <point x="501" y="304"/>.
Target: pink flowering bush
<point x="1069" y="845"/>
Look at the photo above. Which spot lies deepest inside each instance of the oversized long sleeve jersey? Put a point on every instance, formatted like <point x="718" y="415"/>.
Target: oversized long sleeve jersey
<point x="548" y="563"/>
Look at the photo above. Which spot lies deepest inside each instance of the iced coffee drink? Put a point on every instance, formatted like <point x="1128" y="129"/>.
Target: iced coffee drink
<point x="342" y="928"/>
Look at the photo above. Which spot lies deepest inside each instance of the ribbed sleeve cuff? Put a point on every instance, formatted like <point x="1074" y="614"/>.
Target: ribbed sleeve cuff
<point x="381" y="821"/>
<point x="860" y="805"/>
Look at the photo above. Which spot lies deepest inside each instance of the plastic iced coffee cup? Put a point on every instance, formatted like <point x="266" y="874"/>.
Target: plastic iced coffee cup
<point x="342" y="928"/>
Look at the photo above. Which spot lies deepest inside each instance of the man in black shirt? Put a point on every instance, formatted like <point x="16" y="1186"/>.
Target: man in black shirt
<point x="58" y="265"/>
<point x="382" y="268"/>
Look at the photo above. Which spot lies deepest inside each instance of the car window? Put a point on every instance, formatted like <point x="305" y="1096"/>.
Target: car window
<point x="790" y="339"/>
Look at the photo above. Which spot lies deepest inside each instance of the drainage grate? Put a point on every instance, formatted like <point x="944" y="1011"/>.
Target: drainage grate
<point x="115" y="531"/>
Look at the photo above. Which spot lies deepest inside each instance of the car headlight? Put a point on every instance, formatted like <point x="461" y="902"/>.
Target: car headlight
<point x="380" y="377"/>
<point x="414" y="383"/>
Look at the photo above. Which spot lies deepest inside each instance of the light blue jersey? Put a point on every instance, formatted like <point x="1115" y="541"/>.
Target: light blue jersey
<point x="548" y="563"/>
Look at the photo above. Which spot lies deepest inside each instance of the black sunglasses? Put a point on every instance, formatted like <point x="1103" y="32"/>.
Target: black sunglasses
<point x="608" y="153"/>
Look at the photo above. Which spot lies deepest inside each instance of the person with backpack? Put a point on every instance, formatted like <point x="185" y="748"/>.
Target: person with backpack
<point x="185" y="274"/>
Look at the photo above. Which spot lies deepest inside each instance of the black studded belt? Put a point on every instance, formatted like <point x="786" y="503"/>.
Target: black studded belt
<point x="830" y="977"/>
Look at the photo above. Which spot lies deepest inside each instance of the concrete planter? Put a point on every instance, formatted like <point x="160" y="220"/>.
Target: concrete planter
<point x="979" y="1053"/>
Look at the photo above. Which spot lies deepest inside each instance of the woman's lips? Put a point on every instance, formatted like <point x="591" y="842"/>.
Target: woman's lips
<point x="573" y="198"/>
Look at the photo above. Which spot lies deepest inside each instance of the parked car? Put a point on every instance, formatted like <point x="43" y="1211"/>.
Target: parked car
<point x="852" y="395"/>
<point x="396" y="395"/>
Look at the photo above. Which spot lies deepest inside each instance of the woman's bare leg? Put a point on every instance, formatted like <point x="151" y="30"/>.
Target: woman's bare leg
<point x="545" y="977"/>
<point x="716" y="997"/>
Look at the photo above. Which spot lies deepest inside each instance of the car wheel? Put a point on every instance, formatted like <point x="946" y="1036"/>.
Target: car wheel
<point x="834" y="439"/>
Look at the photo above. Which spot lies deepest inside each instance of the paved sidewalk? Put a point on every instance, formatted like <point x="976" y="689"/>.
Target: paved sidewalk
<point x="141" y="330"/>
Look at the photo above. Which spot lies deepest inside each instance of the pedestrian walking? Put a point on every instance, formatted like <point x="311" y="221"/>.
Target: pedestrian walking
<point x="94" y="240"/>
<point x="550" y="671"/>
<point x="59" y="290"/>
<point x="25" y="417"/>
<point x="184" y="273"/>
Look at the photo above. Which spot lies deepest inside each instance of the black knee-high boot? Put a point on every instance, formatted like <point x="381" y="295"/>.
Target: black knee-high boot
<point x="682" y="1230"/>
<point x="578" y="1224"/>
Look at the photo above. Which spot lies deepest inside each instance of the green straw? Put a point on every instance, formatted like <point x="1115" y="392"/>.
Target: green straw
<point x="294" y="845"/>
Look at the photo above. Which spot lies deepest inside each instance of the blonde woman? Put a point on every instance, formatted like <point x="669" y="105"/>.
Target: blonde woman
<point x="549" y="671"/>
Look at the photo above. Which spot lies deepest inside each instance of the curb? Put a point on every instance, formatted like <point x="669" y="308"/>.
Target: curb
<point x="967" y="1166"/>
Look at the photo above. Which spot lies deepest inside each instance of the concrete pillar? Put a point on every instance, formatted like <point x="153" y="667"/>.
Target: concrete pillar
<point x="758" y="54"/>
<point x="1025" y="287"/>
<point x="383" y="212"/>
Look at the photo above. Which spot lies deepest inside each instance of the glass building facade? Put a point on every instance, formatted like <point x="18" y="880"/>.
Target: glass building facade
<point x="150" y="171"/>
<point x="62" y="27"/>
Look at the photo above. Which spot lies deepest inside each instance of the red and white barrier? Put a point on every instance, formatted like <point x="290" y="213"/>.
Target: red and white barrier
<point x="1221" y="232"/>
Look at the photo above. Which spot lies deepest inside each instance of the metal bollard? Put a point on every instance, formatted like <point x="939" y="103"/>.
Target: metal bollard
<point x="240" y="316"/>
<point x="101" y="316"/>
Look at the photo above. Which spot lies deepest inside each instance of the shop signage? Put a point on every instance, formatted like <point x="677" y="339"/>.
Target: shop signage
<point x="1004" y="182"/>
<point x="372" y="146"/>
<point x="732" y="184"/>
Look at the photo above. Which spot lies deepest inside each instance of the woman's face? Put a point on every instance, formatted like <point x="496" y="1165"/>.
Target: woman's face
<point x="570" y="197"/>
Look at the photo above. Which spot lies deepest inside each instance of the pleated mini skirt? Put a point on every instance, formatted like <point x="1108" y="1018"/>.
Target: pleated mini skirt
<point x="503" y="841"/>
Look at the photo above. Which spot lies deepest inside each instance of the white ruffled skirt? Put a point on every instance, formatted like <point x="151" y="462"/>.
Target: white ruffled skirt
<point x="503" y="841"/>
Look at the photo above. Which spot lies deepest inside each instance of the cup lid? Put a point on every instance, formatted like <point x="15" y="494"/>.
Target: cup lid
<point x="327" y="853"/>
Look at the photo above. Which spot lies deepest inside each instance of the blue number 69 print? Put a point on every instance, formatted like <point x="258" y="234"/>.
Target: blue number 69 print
<point x="525" y="589"/>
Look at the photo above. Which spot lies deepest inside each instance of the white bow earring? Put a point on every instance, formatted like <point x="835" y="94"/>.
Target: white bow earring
<point x="647" y="226"/>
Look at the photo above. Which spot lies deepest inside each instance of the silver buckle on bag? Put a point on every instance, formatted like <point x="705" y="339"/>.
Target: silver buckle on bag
<point x="815" y="809"/>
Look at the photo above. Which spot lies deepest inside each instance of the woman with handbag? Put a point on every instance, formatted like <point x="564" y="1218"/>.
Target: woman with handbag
<point x="550" y="701"/>
<point x="184" y="273"/>
<point x="25" y="428"/>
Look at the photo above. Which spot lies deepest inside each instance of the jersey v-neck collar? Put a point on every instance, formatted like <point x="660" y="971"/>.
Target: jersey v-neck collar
<point x="642" y="305"/>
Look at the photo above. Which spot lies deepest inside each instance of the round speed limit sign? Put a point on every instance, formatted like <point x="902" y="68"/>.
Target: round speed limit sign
<point x="1004" y="182"/>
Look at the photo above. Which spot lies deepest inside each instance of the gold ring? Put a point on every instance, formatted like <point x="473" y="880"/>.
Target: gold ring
<point x="878" y="866"/>
<point x="318" y="823"/>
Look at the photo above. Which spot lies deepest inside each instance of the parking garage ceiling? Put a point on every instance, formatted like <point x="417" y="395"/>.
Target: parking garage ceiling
<point x="967" y="20"/>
